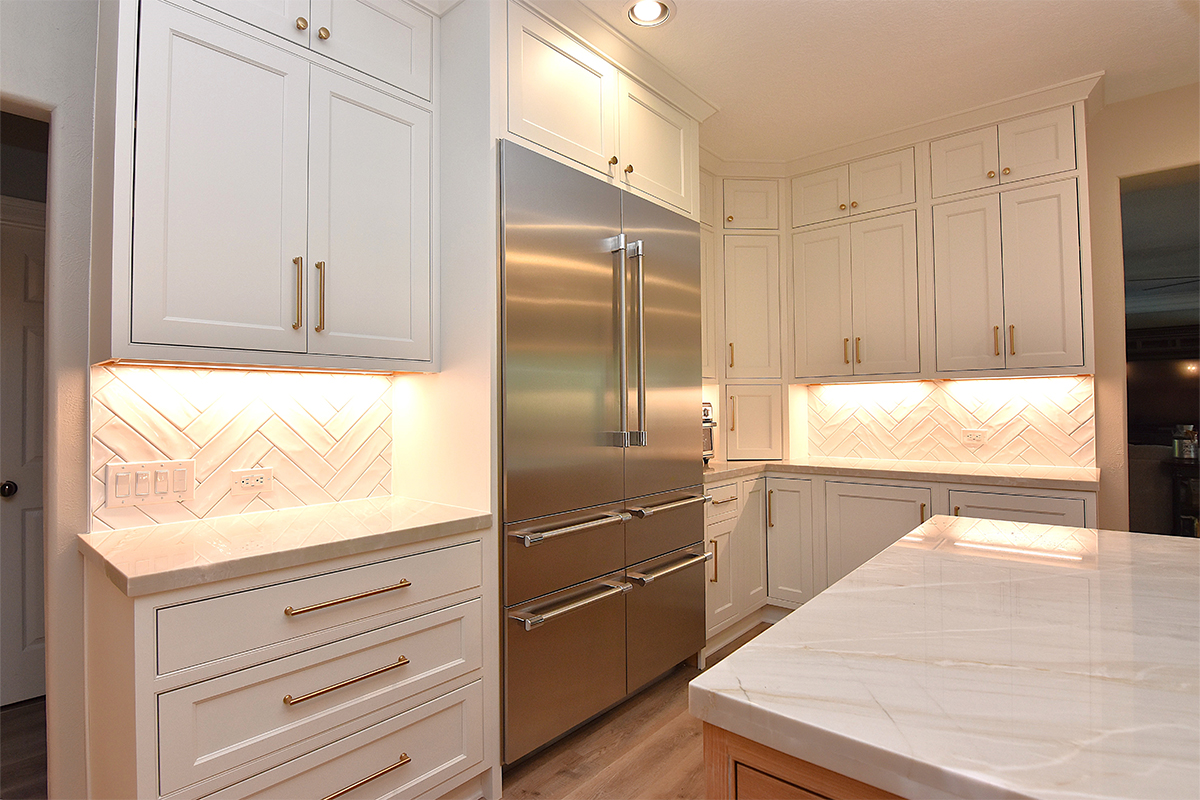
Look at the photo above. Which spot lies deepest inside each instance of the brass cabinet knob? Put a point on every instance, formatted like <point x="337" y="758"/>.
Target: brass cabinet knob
<point x="613" y="160"/>
<point x="842" y="207"/>
<point x="991" y="173"/>
<point x="323" y="33"/>
<point x="301" y="24"/>
<point x="854" y="204"/>
<point x="729" y="219"/>
<point x="1005" y="171"/>
<point x="628" y="168"/>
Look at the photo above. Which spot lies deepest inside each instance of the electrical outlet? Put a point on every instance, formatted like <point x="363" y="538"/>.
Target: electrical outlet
<point x="145" y="483"/>
<point x="974" y="437"/>
<point x="252" y="481"/>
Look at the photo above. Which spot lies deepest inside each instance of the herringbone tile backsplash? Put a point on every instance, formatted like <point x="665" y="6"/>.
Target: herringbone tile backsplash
<point x="326" y="437"/>
<point x="1041" y="421"/>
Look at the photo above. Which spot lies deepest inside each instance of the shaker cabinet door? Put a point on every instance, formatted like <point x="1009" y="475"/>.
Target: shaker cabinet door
<point x="863" y="519"/>
<point x="968" y="284"/>
<point x="821" y="305"/>
<point x="658" y="146"/>
<point x="755" y="422"/>
<point x="1040" y="144"/>
<point x="884" y="279"/>
<point x="751" y="306"/>
<point x="387" y="39"/>
<point x="790" y="539"/>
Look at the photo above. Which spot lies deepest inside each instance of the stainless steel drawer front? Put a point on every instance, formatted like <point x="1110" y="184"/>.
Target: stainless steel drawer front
<point x="664" y="613"/>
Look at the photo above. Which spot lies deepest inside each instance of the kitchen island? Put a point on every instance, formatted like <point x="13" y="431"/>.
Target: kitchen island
<point x="973" y="658"/>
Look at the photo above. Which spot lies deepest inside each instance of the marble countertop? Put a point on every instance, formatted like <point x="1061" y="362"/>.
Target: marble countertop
<point x="976" y="658"/>
<point x="158" y="558"/>
<point x="1027" y="476"/>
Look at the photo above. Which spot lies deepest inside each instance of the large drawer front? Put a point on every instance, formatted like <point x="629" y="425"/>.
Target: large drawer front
<point x="217" y="627"/>
<point x="216" y="725"/>
<point x="576" y="547"/>
<point x="442" y="737"/>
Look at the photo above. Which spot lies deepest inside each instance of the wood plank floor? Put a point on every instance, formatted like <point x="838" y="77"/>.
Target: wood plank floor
<point x="23" y="750"/>
<point x="647" y="748"/>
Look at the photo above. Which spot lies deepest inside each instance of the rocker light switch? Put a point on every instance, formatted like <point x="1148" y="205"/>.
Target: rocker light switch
<point x="143" y="483"/>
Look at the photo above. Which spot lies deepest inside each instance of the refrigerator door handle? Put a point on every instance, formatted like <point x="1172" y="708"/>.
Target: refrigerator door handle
<point x="637" y="250"/>
<point x="617" y="244"/>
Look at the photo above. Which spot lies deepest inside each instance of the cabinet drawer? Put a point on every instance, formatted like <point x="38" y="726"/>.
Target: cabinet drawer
<point x="205" y="630"/>
<point x="219" y="724"/>
<point x="442" y="738"/>
<point x="724" y="501"/>
<point x="1042" y="509"/>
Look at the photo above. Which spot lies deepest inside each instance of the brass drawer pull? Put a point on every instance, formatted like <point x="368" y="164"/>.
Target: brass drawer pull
<point x="723" y="502"/>
<point x="770" y="523"/>
<point x="714" y="578"/>
<point x="321" y="297"/>
<point x="846" y="350"/>
<point x="922" y="512"/>
<point x="404" y="759"/>
<point x="732" y="413"/>
<point x="731" y="354"/>
<point x="1012" y="340"/>
<point x="996" y="338"/>
<point x="288" y="700"/>
<point x="299" y="262"/>
<point x="292" y="612"/>
<point x="857" y="349"/>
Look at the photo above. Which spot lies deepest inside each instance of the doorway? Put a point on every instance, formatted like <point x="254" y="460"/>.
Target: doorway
<point x="23" y="178"/>
<point x="1160" y="226"/>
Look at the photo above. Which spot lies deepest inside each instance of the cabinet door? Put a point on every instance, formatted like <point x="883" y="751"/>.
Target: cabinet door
<point x="968" y="285"/>
<point x="1040" y="144"/>
<point x="821" y="196"/>
<point x="560" y="94"/>
<point x="863" y="519"/>
<point x="755" y="429"/>
<point x="1018" y="508"/>
<point x="660" y="143"/>
<point x="388" y="39"/>
<point x="751" y="205"/>
<point x="752" y="306"/>
<point x="718" y="594"/>
<point x="287" y="18"/>
<point x="967" y="161"/>
<point x="369" y="222"/>
<point x="750" y="548"/>
<point x="220" y="190"/>
<point x="790" y="539"/>
<point x="883" y="182"/>
<point x="883" y="271"/>
<point x="708" y="305"/>
<point x="822" y="324"/>
<point x="1043" y="299"/>
<point x="707" y="214"/>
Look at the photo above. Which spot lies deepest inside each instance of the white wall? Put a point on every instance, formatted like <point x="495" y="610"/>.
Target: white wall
<point x="47" y="66"/>
<point x="1147" y="134"/>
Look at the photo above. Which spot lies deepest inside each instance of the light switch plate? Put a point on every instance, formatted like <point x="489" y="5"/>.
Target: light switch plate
<point x="144" y="483"/>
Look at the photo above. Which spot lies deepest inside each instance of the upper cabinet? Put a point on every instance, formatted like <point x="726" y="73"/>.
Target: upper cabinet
<point x="1028" y="147"/>
<point x="884" y="181"/>
<point x="752" y="306"/>
<point x="707" y="215"/>
<point x="566" y="97"/>
<point x="751" y="204"/>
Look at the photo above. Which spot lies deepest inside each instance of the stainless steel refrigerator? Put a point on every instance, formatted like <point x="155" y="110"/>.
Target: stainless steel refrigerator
<point x="601" y="445"/>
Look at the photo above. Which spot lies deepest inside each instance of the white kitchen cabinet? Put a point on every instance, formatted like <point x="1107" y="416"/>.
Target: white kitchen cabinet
<point x="387" y="39"/>
<point x="749" y="547"/>
<point x="1028" y="147"/>
<point x="854" y="303"/>
<point x="1042" y="509"/>
<point x="707" y="199"/>
<point x="709" y="291"/>
<point x="862" y="519"/>
<point x="751" y="204"/>
<point x="658" y="150"/>
<point x="755" y="422"/>
<point x="883" y="181"/>
<point x="790" y="532"/>
<point x="720" y="608"/>
<point x="751" y="270"/>
<point x="1007" y="281"/>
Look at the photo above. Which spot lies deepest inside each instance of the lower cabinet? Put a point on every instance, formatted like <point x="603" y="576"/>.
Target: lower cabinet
<point x="737" y="573"/>
<point x="862" y="519"/>
<point x="790" y="540"/>
<point x="1018" y="507"/>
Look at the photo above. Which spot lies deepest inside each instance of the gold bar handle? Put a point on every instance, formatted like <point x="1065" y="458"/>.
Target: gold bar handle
<point x="288" y="700"/>
<point x="320" y="297"/>
<point x="731" y="354"/>
<point x="857" y="349"/>
<point x="1012" y="340"/>
<point x="293" y="612"/>
<point x="404" y="759"/>
<point x="770" y="523"/>
<point x="299" y="262"/>
<point x="996" y="338"/>
<point x="846" y="350"/>
<point x="922" y="512"/>
<point x="714" y="578"/>
<point x="723" y="502"/>
<point x="732" y="413"/>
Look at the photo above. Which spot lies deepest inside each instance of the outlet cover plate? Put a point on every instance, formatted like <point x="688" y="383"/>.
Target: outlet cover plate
<point x="252" y="481"/>
<point x="144" y="483"/>
<point x="974" y="437"/>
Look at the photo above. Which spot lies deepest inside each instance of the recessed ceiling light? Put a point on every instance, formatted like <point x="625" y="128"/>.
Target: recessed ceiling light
<point x="648" y="13"/>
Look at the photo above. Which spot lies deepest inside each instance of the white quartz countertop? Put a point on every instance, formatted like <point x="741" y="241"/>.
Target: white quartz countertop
<point x="157" y="558"/>
<point x="1083" y="479"/>
<point x="976" y="658"/>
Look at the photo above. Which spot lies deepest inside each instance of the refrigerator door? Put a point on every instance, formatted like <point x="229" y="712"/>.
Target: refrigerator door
<point x="560" y="353"/>
<point x="663" y="273"/>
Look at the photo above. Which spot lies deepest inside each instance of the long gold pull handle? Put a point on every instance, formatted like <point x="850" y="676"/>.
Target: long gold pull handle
<point x="323" y="33"/>
<point x="404" y="759"/>
<point x="996" y="338"/>
<point x="731" y="354"/>
<point x="723" y="502"/>
<point x="857" y="349"/>
<point x="1012" y="340"/>
<point x="291" y="701"/>
<point x="715" y="576"/>
<point x="732" y="413"/>
<point x="320" y="297"/>
<point x="956" y="511"/>
<point x="293" y="612"/>
<point x="770" y="523"/>
<point x="922" y="512"/>
<point x="846" y="350"/>
<point x="301" y="24"/>
<point x="299" y="262"/>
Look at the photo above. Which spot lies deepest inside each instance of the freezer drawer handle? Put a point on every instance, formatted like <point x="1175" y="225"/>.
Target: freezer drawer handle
<point x="537" y="537"/>
<point x="649" y="511"/>
<point x="642" y="578"/>
<point x="531" y="621"/>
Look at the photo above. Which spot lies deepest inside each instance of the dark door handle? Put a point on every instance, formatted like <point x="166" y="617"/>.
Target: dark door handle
<point x="8" y="489"/>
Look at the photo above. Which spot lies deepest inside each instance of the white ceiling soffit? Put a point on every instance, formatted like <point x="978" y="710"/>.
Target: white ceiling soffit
<point x="793" y="78"/>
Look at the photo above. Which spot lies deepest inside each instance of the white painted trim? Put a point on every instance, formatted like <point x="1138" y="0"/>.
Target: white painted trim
<point x="23" y="213"/>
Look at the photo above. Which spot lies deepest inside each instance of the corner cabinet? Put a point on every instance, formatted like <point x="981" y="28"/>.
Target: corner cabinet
<point x="735" y="535"/>
<point x="790" y="535"/>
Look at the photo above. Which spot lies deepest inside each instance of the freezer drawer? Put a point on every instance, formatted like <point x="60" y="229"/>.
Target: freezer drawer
<point x="664" y="613"/>
<point x="550" y="553"/>
<point x="564" y="662"/>
<point x="663" y="522"/>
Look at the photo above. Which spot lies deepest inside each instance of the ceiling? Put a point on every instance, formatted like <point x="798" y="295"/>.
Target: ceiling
<point x="792" y="78"/>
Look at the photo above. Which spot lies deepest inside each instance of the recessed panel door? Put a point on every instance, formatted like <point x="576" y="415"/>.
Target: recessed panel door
<point x="883" y="271"/>
<point x="388" y="39"/>
<point x="821" y="305"/>
<point x="751" y="306"/>
<point x="656" y="157"/>
<point x="863" y="519"/>
<point x="968" y="284"/>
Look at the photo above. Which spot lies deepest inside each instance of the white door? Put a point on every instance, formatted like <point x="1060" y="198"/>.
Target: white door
<point x="369" y="257"/>
<point x="968" y="284"/>
<point x="967" y="161"/>
<point x="883" y="269"/>
<point x="1043" y="297"/>
<point x="883" y="182"/>
<point x="755" y="417"/>
<point x="22" y="642"/>
<point x="751" y="204"/>
<point x="1040" y="144"/>
<point x="718" y="594"/>
<point x="561" y="95"/>
<point x="287" y="18"/>
<point x="387" y="39"/>
<point x="750" y="548"/>
<point x="752" y="306"/>
<point x="820" y="196"/>
<point x="220" y="193"/>
<point x="863" y="519"/>
<point x="708" y="305"/>
<point x="790" y="539"/>
<point x="657" y="144"/>
<point x="822" y="321"/>
<point x="1018" y="507"/>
